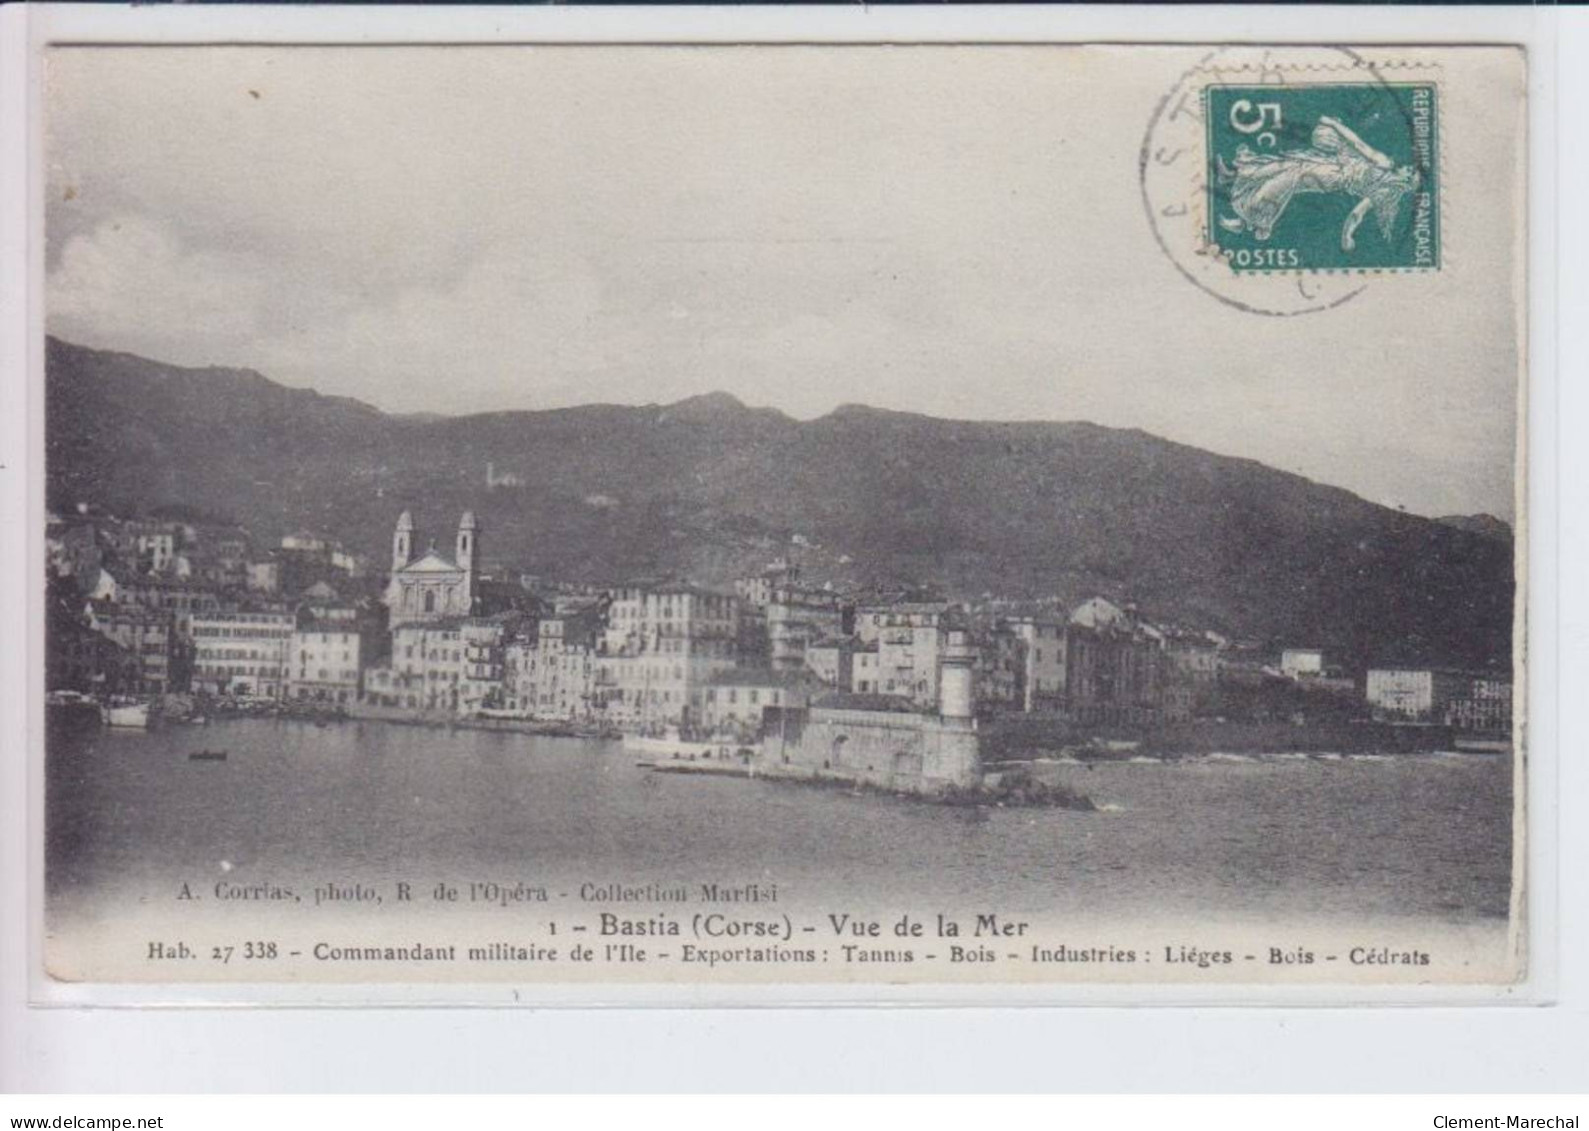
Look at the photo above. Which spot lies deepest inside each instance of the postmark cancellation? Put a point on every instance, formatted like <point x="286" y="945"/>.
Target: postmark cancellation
<point x="1283" y="180"/>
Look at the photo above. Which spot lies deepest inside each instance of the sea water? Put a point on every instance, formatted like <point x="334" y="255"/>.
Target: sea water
<point x="130" y="818"/>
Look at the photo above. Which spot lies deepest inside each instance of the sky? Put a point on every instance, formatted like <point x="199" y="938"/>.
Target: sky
<point x="955" y="231"/>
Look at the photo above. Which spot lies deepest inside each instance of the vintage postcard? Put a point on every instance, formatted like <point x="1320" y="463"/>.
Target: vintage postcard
<point x="782" y="519"/>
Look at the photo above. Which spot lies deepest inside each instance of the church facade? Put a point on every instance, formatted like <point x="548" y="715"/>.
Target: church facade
<point x="432" y="587"/>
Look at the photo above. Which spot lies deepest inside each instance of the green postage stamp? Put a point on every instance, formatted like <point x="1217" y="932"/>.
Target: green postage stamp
<point x="1326" y="177"/>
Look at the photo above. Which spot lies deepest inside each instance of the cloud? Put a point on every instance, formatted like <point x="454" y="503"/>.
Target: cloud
<point x="129" y="283"/>
<point x="952" y="232"/>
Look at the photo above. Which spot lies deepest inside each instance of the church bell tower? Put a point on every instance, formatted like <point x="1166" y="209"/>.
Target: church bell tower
<point x="403" y="541"/>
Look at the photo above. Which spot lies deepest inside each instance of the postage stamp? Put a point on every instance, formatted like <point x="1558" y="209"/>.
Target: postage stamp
<point x="1324" y="177"/>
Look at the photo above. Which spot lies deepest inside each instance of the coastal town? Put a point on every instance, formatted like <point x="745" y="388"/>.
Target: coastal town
<point x="171" y="615"/>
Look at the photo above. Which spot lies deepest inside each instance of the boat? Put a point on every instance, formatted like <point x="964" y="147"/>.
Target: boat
<point x="130" y="715"/>
<point x="207" y="756"/>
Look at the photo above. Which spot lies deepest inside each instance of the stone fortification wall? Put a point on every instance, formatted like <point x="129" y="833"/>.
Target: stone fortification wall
<point x="896" y="750"/>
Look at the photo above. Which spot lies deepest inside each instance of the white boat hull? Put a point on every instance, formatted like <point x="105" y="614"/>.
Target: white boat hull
<point x="135" y="716"/>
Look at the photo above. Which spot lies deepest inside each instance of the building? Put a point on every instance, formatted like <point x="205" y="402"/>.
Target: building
<point x="427" y="668"/>
<point x="151" y="544"/>
<point x="755" y="592"/>
<point x="322" y="602"/>
<point x="1100" y="612"/>
<point x="1440" y="696"/>
<point x="661" y="644"/>
<point x="182" y="600"/>
<point x="734" y="703"/>
<point x="1114" y="666"/>
<point x="909" y="638"/>
<point x="670" y="617"/>
<point x="886" y="741"/>
<point x="832" y="661"/>
<point x="484" y="662"/>
<point x="553" y="675"/>
<point x="1194" y="657"/>
<point x="1302" y="663"/>
<point x="302" y="541"/>
<point x="431" y="588"/>
<point x="243" y="653"/>
<point x="796" y="617"/>
<point x="345" y="561"/>
<point x="264" y="575"/>
<point x="324" y="662"/>
<point x="76" y="548"/>
<point x="78" y="658"/>
<point x="1487" y="706"/>
<point x="1039" y="662"/>
<point x="146" y="634"/>
<point x="864" y="679"/>
<point x="498" y="479"/>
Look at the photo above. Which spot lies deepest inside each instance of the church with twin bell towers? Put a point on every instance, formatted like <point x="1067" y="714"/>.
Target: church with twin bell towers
<point x="432" y="587"/>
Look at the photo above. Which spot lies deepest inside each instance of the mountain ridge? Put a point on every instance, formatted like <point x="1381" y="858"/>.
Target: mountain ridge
<point x="711" y="488"/>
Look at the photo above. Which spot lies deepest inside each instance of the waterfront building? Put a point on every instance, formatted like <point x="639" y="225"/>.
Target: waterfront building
<point x="1114" y="668"/>
<point x="661" y="643"/>
<point x="428" y="666"/>
<point x="553" y="675"/>
<point x="1040" y="653"/>
<point x="1487" y="706"/>
<point x="734" y="703"/>
<point x="78" y="658"/>
<point x="145" y="634"/>
<point x="243" y="652"/>
<point x="1193" y="656"/>
<point x="484" y="640"/>
<point x="882" y="740"/>
<point x="432" y="588"/>
<point x="654" y="691"/>
<point x="324" y="659"/>
<point x="384" y="686"/>
<point x="1444" y="696"/>
<point x="909" y="638"/>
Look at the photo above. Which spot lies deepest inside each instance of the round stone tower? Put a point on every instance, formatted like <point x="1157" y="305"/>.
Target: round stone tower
<point x="957" y="683"/>
<point x="468" y="556"/>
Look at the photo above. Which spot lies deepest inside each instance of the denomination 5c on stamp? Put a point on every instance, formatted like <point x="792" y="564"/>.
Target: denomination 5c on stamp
<point x="1324" y="176"/>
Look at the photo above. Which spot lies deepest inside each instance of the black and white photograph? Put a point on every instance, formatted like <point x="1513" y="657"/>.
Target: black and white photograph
<point x="783" y="519"/>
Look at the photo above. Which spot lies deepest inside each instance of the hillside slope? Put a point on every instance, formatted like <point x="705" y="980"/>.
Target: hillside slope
<point x="710" y="488"/>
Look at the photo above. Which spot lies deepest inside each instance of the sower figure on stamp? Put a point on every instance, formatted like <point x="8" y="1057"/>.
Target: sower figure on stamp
<point x="1261" y="185"/>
